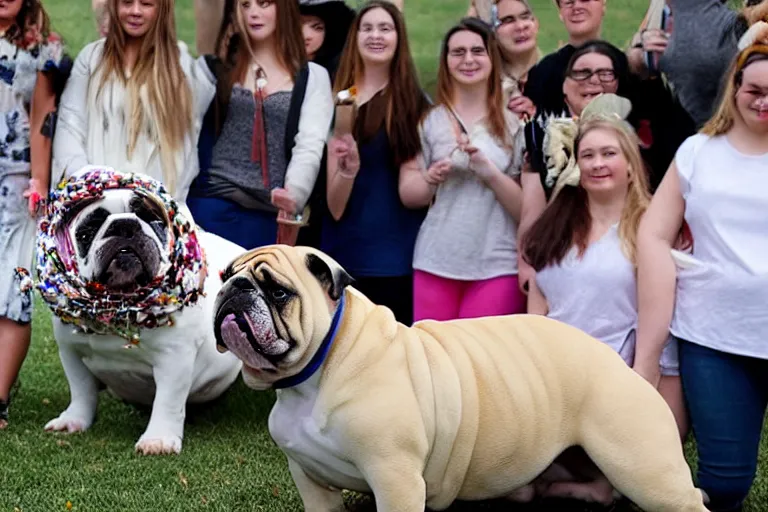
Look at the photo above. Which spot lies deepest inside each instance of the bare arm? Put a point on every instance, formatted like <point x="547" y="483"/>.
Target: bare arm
<point x="656" y="278"/>
<point x="537" y="303"/>
<point x="43" y="103"/>
<point x="534" y="200"/>
<point x="209" y="15"/>
<point x="415" y="191"/>
<point x="508" y="192"/>
<point x="343" y="166"/>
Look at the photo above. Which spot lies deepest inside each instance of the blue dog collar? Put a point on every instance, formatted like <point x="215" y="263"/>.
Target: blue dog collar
<point x="322" y="352"/>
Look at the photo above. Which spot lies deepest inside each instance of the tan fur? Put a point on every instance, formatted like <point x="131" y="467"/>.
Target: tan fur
<point x="473" y="409"/>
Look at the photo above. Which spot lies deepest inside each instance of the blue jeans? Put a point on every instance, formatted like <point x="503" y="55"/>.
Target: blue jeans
<point x="726" y="397"/>
<point x="247" y="228"/>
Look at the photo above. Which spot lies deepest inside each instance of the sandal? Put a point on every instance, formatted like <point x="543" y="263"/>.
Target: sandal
<point x="4" y="404"/>
<point x="4" y="414"/>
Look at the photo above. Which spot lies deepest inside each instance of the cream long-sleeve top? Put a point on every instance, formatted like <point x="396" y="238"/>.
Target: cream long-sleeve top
<point x="92" y="129"/>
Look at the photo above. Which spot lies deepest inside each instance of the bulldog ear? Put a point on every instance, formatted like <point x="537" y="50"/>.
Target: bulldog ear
<point x="330" y="274"/>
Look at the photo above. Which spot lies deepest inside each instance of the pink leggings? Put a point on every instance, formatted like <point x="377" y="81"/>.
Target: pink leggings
<point x="438" y="298"/>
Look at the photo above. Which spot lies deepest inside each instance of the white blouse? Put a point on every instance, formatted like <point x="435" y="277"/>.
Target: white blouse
<point x="94" y="131"/>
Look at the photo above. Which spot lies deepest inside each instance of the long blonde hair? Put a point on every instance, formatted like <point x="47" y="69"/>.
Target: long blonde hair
<point x="159" y="98"/>
<point x="566" y="221"/>
<point x="638" y="194"/>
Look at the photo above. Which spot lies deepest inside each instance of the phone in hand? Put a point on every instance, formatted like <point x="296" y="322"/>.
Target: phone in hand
<point x="652" y="58"/>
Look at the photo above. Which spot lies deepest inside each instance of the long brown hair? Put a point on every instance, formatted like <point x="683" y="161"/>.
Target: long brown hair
<point x="445" y="82"/>
<point x="158" y="93"/>
<point x="233" y="48"/>
<point x="403" y="89"/>
<point x="31" y="27"/>
<point x="566" y="221"/>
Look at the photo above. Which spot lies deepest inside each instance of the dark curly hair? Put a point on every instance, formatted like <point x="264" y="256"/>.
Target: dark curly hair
<point x="31" y="27"/>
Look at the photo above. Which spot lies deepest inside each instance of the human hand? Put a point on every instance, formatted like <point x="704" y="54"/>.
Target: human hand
<point x="650" y="372"/>
<point x="654" y="40"/>
<point x="438" y="171"/>
<point x="345" y="150"/>
<point x="522" y="106"/>
<point x="283" y="200"/>
<point x="480" y="164"/>
<point x="36" y="196"/>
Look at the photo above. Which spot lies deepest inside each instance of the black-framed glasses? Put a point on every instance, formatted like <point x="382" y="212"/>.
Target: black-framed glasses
<point x="507" y="20"/>
<point x="604" y="75"/>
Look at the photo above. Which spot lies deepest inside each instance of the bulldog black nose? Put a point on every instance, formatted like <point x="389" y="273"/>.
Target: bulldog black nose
<point x="240" y="283"/>
<point x="123" y="228"/>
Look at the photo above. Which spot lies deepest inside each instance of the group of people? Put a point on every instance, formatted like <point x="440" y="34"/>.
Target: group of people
<point x="616" y="190"/>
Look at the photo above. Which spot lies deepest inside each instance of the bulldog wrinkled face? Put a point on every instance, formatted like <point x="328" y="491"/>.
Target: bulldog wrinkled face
<point x="120" y="240"/>
<point x="271" y="316"/>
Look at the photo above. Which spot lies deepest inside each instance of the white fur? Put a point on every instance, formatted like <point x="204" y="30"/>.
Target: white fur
<point x="295" y="429"/>
<point x="170" y="367"/>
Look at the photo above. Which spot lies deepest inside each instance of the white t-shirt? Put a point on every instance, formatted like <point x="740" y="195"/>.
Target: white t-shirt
<point x="722" y="289"/>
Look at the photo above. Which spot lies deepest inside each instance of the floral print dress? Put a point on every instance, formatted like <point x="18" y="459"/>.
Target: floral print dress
<point x="18" y="76"/>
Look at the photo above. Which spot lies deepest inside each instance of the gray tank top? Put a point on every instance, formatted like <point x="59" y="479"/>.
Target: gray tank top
<point x="233" y="174"/>
<point x="596" y="293"/>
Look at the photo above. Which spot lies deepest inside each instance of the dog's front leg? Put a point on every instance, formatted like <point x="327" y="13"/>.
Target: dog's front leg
<point x="315" y="497"/>
<point x="84" y="395"/>
<point x="173" y="380"/>
<point x="397" y="485"/>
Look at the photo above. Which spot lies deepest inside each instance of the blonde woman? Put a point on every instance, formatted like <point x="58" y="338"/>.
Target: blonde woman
<point x="583" y="248"/>
<point x="714" y="300"/>
<point x="135" y="100"/>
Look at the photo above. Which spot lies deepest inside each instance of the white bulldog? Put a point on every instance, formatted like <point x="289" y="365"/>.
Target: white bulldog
<point x="122" y="242"/>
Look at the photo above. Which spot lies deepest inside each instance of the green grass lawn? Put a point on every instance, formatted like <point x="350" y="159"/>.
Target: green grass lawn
<point x="228" y="461"/>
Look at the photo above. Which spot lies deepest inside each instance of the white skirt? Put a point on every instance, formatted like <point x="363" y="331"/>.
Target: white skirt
<point x="18" y="231"/>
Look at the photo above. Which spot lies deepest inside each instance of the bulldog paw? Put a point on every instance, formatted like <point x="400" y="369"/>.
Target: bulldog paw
<point x="165" y="445"/>
<point x="67" y="423"/>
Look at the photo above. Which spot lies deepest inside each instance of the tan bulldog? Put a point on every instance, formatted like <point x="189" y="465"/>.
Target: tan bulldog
<point x="468" y="409"/>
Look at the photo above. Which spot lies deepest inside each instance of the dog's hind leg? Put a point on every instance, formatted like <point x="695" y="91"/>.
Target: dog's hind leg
<point x="84" y="395"/>
<point x="315" y="497"/>
<point x="628" y="430"/>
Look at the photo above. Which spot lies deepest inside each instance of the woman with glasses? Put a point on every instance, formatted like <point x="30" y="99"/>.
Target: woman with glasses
<point x="517" y="31"/>
<point x="595" y="68"/>
<point x="465" y="259"/>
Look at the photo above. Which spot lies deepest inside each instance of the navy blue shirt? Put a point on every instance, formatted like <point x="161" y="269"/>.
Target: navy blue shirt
<point x="376" y="234"/>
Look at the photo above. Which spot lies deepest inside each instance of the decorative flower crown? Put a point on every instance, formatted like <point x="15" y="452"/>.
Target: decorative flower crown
<point x="92" y="307"/>
<point x="560" y="135"/>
